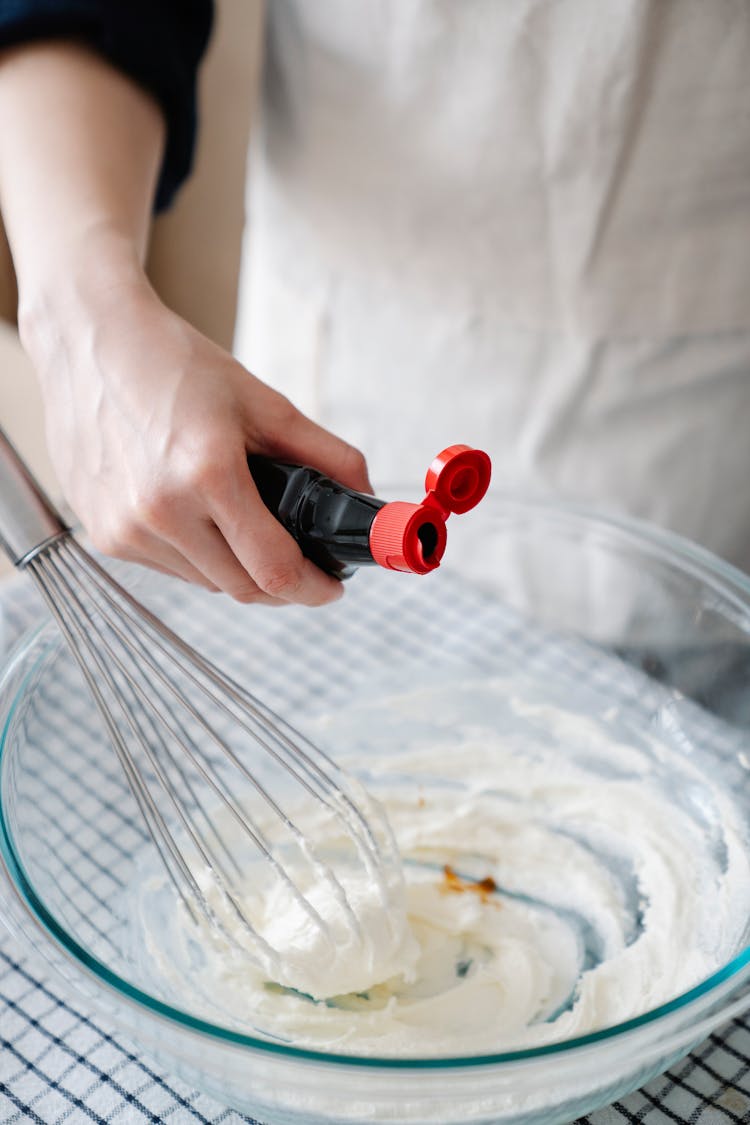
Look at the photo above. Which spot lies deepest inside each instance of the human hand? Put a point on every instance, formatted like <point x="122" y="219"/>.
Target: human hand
<point x="149" y="425"/>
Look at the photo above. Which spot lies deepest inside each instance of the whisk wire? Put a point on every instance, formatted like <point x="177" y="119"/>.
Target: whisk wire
<point x="53" y="584"/>
<point x="73" y="631"/>
<point x="212" y="673"/>
<point x="355" y="824"/>
<point x="194" y="799"/>
<point x="187" y="747"/>
<point x="269" y="728"/>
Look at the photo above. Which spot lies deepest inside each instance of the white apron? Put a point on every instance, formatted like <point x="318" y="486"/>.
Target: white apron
<point x="521" y="224"/>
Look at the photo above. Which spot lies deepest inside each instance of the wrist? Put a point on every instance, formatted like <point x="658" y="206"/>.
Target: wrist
<point x="74" y="284"/>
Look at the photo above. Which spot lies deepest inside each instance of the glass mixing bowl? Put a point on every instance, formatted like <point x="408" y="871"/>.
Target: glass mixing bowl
<point x="598" y="609"/>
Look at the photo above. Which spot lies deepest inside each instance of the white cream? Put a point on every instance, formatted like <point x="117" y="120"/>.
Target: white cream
<point x="334" y="925"/>
<point x="623" y="878"/>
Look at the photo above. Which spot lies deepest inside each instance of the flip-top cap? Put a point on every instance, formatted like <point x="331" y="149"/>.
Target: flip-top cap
<point x="458" y="478"/>
<point x="412" y="537"/>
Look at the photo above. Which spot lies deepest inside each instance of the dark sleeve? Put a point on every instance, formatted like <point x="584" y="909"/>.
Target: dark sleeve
<point x="159" y="43"/>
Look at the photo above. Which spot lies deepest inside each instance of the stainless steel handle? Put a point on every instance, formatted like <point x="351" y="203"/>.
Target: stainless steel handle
<point x="28" y="518"/>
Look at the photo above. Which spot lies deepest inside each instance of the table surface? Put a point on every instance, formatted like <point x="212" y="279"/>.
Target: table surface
<point x="61" y="1063"/>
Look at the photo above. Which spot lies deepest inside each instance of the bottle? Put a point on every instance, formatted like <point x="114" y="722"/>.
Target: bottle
<point x="340" y="529"/>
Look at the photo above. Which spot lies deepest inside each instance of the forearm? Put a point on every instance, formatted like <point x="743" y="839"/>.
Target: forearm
<point x="80" y="150"/>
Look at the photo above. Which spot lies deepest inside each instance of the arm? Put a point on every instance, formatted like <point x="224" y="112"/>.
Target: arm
<point x="148" y="422"/>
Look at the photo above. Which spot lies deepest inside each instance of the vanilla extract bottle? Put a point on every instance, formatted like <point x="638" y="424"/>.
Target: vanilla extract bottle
<point x="340" y="529"/>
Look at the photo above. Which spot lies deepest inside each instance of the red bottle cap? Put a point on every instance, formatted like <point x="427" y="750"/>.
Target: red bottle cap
<point x="412" y="537"/>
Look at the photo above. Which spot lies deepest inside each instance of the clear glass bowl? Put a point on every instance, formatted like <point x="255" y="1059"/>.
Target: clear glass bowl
<point x="521" y="581"/>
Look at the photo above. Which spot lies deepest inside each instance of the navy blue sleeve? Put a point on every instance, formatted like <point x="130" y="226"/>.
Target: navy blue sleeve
<point x="158" y="43"/>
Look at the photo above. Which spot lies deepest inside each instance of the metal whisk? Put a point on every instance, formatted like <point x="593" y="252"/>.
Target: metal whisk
<point x="230" y="793"/>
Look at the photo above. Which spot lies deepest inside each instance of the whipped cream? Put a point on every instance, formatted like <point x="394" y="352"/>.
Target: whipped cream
<point x="562" y="872"/>
<point x="329" y="919"/>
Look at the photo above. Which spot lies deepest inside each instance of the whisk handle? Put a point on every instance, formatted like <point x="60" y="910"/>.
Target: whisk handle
<point x="28" y="518"/>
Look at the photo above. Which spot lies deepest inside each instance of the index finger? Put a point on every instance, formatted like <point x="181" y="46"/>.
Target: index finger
<point x="265" y="549"/>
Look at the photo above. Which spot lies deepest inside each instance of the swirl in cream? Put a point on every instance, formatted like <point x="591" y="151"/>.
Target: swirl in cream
<point x="563" y="873"/>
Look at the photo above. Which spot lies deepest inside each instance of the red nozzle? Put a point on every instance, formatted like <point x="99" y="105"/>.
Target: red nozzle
<point x="408" y="537"/>
<point x="412" y="537"/>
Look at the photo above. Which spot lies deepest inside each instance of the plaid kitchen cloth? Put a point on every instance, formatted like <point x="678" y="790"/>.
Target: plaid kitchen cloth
<point x="61" y="1063"/>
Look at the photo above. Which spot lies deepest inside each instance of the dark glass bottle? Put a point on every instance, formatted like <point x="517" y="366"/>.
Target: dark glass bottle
<point x="340" y="529"/>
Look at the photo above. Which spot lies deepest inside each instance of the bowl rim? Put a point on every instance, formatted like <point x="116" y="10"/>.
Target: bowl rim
<point x="694" y="560"/>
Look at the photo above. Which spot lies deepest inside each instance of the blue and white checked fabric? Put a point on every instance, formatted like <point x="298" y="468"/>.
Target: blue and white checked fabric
<point x="60" y="1063"/>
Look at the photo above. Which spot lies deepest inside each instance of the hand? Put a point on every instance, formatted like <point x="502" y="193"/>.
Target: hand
<point x="149" y="425"/>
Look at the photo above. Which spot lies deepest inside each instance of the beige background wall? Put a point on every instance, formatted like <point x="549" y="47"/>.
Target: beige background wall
<point x="195" y="251"/>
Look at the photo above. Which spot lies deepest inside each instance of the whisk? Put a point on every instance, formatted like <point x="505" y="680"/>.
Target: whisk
<point x="231" y="794"/>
